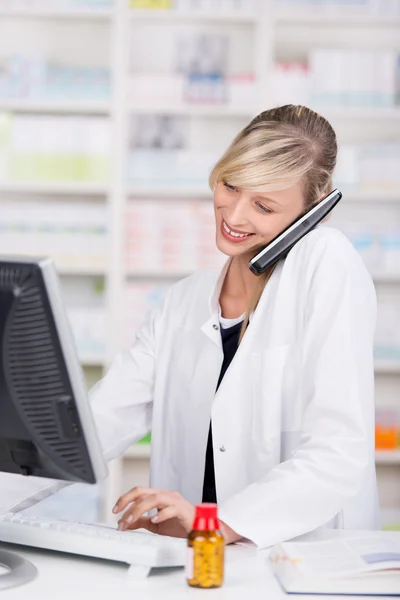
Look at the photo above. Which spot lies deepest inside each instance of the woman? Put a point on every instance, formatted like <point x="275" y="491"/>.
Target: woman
<point x="291" y="446"/>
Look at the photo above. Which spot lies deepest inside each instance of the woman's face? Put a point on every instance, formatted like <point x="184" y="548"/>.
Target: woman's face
<point x="248" y="220"/>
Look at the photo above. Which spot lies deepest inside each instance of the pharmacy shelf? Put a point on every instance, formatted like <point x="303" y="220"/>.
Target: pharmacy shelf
<point x="222" y="110"/>
<point x="370" y="195"/>
<point x="169" y="192"/>
<point x="387" y="457"/>
<point x="197" y="110"/>
<point x="92" y="361"/>
<point x="138" y="451"/>
<point x="176" y="16"/>
<point x="335" y="19"/>
<point x="76" y="14"/>
<point x="67" y="188"/>
<point x="81" y="270"/>
<point x="360" y="114"/>
<point x="386" y="278"/>
<point x="387" y="368"/>
<point x="166" y="274"/>
<point x="60" y="108"/>
<point x="190" y="192"/>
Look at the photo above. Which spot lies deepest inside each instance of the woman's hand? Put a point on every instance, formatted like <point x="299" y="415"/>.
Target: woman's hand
<point x="174" y="517"/>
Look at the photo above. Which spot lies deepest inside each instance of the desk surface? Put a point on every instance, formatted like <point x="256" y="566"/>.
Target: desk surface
<point x="61" y="576"/>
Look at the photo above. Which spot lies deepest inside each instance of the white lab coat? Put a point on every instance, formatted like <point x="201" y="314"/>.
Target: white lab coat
<point x="293" y="419"/>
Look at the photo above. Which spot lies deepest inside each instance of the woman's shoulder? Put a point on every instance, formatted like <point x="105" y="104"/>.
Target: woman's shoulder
<point x="324" y="236"/>
<point x="327" y="250"/>
<point x="199" y="284"/>
<point x="329" y="243"/>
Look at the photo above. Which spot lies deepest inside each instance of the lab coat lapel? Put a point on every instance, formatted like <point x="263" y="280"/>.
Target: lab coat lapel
<point x="211" y="328"/>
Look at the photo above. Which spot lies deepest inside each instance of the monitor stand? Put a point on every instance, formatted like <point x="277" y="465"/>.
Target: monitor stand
<point x="20" y="570"/>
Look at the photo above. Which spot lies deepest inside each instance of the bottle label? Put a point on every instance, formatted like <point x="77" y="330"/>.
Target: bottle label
<point x="189" y="563"/>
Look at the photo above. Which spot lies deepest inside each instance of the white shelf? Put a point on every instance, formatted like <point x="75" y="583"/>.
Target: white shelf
<point x="173" y="192"/>
<point x="221" y="110"/>
<point x="77" y="107"/>
<point x="67" y="188"/>
<point x="386" y="278"/>
<point x="360" y="114"/>
<point x="149" y="274"/>
<point x="338" y="19"/>
<point x="81" y="270"/>
<point x="86" y="15"/>
<point x="197" y="110"/>
<point x="370" y="195"/>
<point x="387" y="368"/>
<point x="92" y="361"/>
<point x="142" y="450"/>
<point x="138" y="274"/>
<point x="387" y="457"/>
<point x="181" y="192"/>
<point x="176" y="16"/>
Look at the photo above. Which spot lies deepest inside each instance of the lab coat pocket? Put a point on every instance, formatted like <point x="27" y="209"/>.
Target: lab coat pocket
<point x="268" y="374"/>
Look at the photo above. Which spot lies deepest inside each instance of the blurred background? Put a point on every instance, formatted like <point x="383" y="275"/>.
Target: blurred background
<point x="112" y="113"/>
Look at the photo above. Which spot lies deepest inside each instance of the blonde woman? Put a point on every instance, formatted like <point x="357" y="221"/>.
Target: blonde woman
<point x="258" y="391"/>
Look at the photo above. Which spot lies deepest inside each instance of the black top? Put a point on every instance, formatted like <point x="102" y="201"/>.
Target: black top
<point x="230" y="339"/>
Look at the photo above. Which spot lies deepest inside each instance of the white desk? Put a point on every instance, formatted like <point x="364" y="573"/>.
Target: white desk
<point x="62" y="577"/>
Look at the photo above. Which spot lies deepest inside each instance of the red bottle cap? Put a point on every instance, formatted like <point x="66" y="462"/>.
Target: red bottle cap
<point x="206" y="517"/>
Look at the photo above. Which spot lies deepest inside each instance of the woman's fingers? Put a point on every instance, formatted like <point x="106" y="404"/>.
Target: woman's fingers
<point x="141" y="523"/>
<point x="144" y="504"/>
<point x="164" y="514"/>
<point x="132" y="496"/>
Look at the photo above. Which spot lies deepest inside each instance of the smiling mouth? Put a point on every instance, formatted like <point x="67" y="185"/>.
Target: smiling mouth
<point x="233" y="236"/>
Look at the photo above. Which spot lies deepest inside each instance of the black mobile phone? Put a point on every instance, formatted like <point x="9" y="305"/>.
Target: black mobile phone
<point x="279" y="247"/>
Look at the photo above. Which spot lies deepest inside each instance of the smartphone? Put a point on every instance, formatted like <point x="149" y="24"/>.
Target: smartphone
<point x="279" y="247"/>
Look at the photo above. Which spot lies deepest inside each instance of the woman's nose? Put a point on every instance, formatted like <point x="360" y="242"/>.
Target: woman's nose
<point x="239" y="212"/>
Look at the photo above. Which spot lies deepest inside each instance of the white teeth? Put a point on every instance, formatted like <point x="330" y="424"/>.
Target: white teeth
<point x="233" y="233"/>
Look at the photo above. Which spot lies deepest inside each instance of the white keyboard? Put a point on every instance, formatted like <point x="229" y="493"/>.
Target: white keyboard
<point x="137" y="548"/>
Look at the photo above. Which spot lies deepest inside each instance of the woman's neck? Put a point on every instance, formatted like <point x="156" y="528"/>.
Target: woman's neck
<point x="238" y="288"/>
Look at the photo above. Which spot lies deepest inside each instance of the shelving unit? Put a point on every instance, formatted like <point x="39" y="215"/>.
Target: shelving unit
<point x="371" y="195"/>
<point x="360" y="114"/>
<point x="55" y="108"/>
<point x="173" y="192"/>
<point x="147" y="274"/>
<point x="82" y="270"/>
<point x="98" y="14"/>
<point x="387" y="368"/>
<point x="55" y="188"/>
<point x="350" y="195"/>
<point x="216" y="111"/>
<point x="92" y="361"/>
<point x="138" y="451"/>
<point x="387" y="457"/>
<point x="181" y="16"/>
<point x="122" y="21"/>
<point x="335" y="19"/>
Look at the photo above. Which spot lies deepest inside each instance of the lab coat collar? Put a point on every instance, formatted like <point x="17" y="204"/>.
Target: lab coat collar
<point x="211" y="328"/>
<point x="213" y="301"/>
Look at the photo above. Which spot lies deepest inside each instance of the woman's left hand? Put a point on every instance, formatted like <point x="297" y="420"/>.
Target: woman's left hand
<point x="174" y="517"/>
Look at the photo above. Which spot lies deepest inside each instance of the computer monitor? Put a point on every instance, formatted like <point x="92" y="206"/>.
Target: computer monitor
<point x="46" y="425"/>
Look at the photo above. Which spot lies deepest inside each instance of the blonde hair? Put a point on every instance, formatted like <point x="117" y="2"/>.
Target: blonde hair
<point x="278" y="149"/>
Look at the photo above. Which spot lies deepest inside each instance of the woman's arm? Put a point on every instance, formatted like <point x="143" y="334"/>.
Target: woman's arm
<point x="122" y="401"/>
<point x="329" y="465"/>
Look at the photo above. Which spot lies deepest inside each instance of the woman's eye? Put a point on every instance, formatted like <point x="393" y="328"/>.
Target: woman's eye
<point x="264" y="209"/>
<point x="229" y="187"/>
